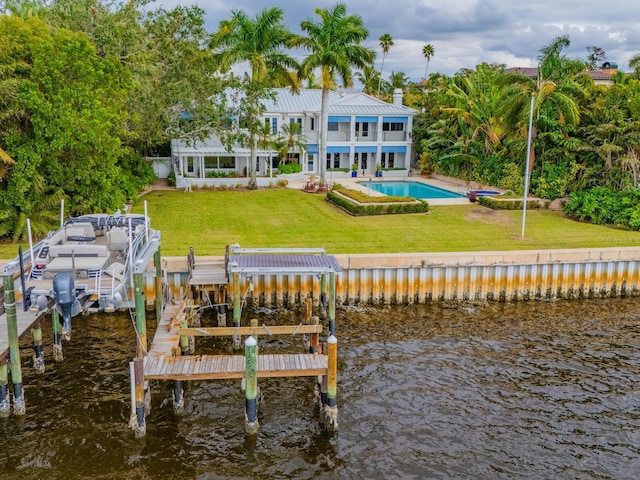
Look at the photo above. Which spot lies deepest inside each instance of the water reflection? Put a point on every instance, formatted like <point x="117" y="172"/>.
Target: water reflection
<point x="528" y="390"/>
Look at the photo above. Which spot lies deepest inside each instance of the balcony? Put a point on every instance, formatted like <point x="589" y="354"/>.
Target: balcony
<point x="394" y="136"/>
<point x="368" y="137"/>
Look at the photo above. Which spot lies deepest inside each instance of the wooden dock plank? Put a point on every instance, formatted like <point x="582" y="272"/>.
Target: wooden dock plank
<point x="212" y="367"/>
<point x="269" y="330"/>
<point x="25" y="321"/>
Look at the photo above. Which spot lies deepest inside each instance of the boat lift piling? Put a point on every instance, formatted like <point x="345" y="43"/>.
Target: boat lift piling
<point x="57" y="335"/>
<point x="38" y="351"/>
<point x="14" y="350"/>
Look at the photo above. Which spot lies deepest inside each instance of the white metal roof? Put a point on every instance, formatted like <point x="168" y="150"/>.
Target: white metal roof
<point x="310" y="101"/>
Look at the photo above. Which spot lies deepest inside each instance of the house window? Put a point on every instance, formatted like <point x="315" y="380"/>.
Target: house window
<point x="190" y="164"/>
<point x="333" y="160"/>
<point x="332" y="126"/>
<point x="227" y="162"/>
<point x="313" y="123"/>
<point x="210" y="162"/>
<point x="393" y="127"/>
<point x="296" y="120"/>
<point x="362" y="129"/>
<point x="388" y="160"/>
<point x="274" y="125"/>
<point x="360" y="159"/>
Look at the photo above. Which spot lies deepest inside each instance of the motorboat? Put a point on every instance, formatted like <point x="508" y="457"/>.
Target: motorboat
<point x="85" y="265"/>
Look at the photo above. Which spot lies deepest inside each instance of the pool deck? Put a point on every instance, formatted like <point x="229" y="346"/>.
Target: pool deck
<point x="440" y="182"/>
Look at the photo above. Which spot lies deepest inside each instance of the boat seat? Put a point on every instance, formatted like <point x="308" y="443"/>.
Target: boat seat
<point x="79" y="251"/>
<point x="80" y="233"/>
<point x="115" y="270"/>
<point x="117" y="239"/>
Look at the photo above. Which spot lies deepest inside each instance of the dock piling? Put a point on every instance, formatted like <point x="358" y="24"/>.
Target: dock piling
<point x="332" y="303"/>
<point x="237" y="307"/>
<point x="251" y="385"/>
<point x="57" y="335"/>
<point x="38" y="352"/>
<point x="157" y="261"/>
<point x="14" y="346"/>
<point x="141" y="320"/>
<point x="330" y="412"/>
<point x="140" y="426"/>
<point x="5" y="407"/>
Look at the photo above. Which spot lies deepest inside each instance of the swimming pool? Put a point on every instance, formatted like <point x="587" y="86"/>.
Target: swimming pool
<point x="411" y="189"/>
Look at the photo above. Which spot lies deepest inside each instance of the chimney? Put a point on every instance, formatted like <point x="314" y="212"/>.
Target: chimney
<point x="397" y="97"/>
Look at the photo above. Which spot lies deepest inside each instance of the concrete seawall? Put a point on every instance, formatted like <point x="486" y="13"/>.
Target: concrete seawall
<point x="458" y="276"/>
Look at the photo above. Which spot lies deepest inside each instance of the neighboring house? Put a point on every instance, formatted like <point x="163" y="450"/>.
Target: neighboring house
<point x="600" y="77"/>
<point x="362" y="129"/>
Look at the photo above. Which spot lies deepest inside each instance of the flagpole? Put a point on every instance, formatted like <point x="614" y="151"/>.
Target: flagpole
<point x="526" y="171"/>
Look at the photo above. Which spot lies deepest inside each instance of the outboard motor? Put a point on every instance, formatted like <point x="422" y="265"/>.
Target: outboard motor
<point x="66" y="302"/>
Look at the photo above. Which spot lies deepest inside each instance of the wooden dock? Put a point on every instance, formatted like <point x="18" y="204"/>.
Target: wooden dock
<point x="161" y="363"/>
<point x="170" y="356"/>
<point x="219" y="367"/>
<point x="26" y="320"/>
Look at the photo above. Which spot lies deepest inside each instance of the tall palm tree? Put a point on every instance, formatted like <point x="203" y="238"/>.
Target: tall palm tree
<point x="427" y="52"/>
<point x="386" y="41"/>
<point x="260" y="42"/>
<point x="369" y="77"/>
<point x="335" y="46"/>
<point x="555" y="92"/>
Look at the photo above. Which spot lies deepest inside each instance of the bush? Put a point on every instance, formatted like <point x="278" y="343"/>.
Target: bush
<point x="602" y="206"/>
<point x="513" y="204"/>
<point x="171" y="179"/>
<point x="417" y="206"/>
<point x="362" y="197"/>
<point x="285" y="168"/>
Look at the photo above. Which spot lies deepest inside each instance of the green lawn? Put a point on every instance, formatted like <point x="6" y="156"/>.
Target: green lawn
<point x="208" y="220"/>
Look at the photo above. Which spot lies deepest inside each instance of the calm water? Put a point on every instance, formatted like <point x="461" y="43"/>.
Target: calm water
<point x="532" y="390"/>
<point x="411" y="189"/>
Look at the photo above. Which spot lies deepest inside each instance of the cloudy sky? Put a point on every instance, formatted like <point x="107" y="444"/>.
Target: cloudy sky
<point x="465" y="33"/>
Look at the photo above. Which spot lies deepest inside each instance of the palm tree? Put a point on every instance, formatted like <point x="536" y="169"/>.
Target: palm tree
<point x="369" y="77"/>
<point x="634" y="63"/>
<point x="555" y="90"/>
<point x="5" y="161"/>
<point x="386" y="41"/>
<point x="335" y="46"/>
<point x="291" y="140"/>
<point x="427" y="52"/>
<point x="260" y="42"/>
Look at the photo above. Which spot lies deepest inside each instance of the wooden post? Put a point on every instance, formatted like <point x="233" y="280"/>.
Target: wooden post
<point x="57" y="335"/>
<point x="237" y="306"/>
<point x="251" y="385"/>
<point x="140" y="426"/>
<point x="314" y="338"/>
<point x="157" y="259"/>
<point x="331" y="407"/>
<point x="222" y="306"/>
<point x="323" y="294"/>
<point x="141" y="320"/>
<point x="5" y="407"/>
<point x="332" y="303"/>
<point x="38" y="352"/>
<point x="308" y="320"/>
<point x="14" y="351"/>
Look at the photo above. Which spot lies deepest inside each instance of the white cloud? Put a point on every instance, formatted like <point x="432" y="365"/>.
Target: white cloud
<point x="465" y="33"/>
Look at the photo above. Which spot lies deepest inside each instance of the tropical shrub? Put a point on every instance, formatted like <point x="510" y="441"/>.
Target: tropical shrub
<point x="285" y="168"/>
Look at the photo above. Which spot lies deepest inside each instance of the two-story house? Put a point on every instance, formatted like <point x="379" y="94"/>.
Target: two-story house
<point x="362" y="130"/>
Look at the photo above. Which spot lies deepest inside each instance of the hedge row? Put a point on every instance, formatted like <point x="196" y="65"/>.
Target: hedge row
<point x="377" y="209"/>
<point x="362" y="197"/>
<point x="514" y="204"/>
